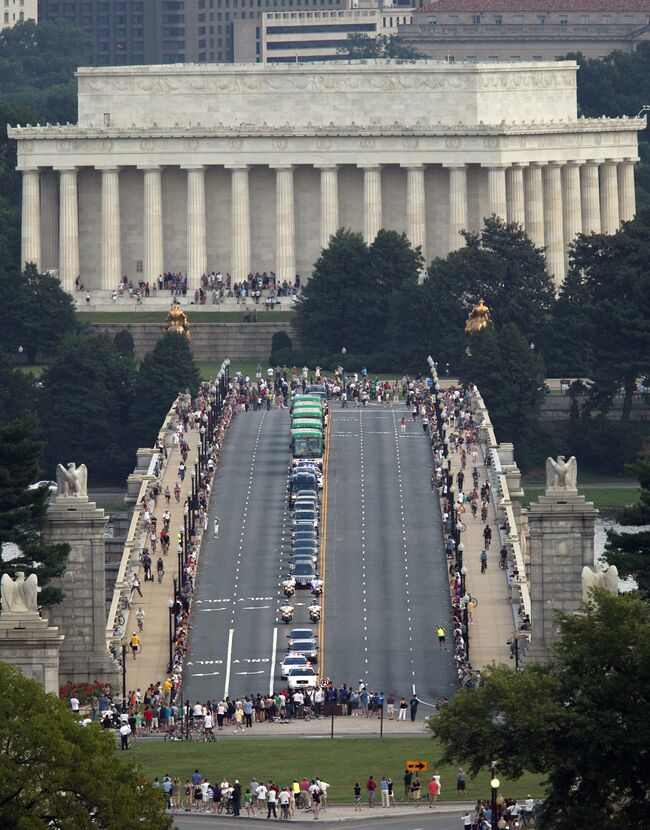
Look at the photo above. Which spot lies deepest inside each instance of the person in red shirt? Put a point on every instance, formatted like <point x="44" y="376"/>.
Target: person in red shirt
<point x="147" y="717"/>
<point x="434" y="790"/>
<point x="371" y="786"/>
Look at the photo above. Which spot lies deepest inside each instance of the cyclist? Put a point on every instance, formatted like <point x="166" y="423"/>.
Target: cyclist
<point x="503" y="563"/>
<point x="487" y="536"/>
<point x="139" y="615"/>
<point x="134" y="642"/>
<point x="160" y="568"/>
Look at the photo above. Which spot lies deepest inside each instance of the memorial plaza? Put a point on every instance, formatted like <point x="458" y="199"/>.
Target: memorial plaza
<point x="193" y="169"/>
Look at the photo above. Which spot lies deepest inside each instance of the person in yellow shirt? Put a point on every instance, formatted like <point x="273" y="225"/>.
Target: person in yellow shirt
<point x="441" y="638"/>
<point x="135" y="644"/>
<point x="167" y="689"/>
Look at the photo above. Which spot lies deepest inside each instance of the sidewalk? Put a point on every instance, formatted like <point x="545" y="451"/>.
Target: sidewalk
<point x="151" y="663"/>
<point x="493" y="620"/>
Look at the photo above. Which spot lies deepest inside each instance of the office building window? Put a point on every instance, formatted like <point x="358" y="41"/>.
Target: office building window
<point x="563" y="20"/>
<point x="498" y="19"/>
<point x="476" y="18"/>
<point x="519" y="18"/>
<point x="584" y="18"/>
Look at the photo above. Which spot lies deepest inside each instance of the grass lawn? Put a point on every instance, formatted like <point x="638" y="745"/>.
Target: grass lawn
<point x="604" y="498"/>
<point x="196" y="317"/>
<point x="35" y="369"/>
<point x="340" y="762"/>
<point x="538" y="476"/>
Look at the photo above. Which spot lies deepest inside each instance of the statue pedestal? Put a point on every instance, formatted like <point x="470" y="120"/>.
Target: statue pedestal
<point x="561" y="526"/>
<point x="81" y="616"/>
<point x="27" y="642"/>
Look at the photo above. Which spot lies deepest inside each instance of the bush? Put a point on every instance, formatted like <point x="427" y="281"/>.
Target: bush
<point x="279" y="342"/>
<point x="124" y="343"/>
<point x="84" y="692"/>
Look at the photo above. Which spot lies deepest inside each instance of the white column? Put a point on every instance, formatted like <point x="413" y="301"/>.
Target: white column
<point x="372" y="213"/>
<point x="571" y="209"/>
<point x="590" y="197"/>
<point x="285" y="225"/>
<point x="49" y="220"/>
<point x="240" y="221"/>
<point x="515" y="194"/>
<point x="626" y="194"/>
<point x="153" y="254"/>
<point x="416" y="206"/>
<point x="68" y="229"/>
<point x="329" y="202"/>
<point x="111" y="259"/>
<point x="609" y="196"/>
<point x="196" y="240"/>
<point x="31" y="219"/>
<point x="553" y="235"/>
<point x="497" y="189"/>
<point x="534" y="203"/>
<point x="457" y="205"/>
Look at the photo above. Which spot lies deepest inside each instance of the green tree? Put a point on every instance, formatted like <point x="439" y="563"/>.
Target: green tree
<point x="630" y="552"/>
<point x="84" y="407"/>
<point x="40" y="315"/>
<point x="23" y="511"/>
<point x="510" y="377"/>
<point x="16" y="390"/>
<point x="123" y="341"/>
<point x="568" y="350"/>
<point x="616" y="294"/>
<point x="580" y="719"/>
<point x="10" y="184"/>
<point x="53" y="772"/>
<point x="358" y="47"/>
<point x="351" y="294"/>
<point x="165" y="372"/>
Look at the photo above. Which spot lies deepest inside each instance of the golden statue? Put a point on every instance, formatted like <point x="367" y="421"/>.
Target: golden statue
<point x="177" y="321"/>
<point x="478" y="318"/>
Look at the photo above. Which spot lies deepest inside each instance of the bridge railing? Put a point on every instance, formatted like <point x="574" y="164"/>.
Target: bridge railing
<point x="136" y="539"/>
<point x="503" y="500"/>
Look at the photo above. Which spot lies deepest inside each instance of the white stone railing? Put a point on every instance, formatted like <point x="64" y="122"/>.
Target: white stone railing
<point x="502" y="498"/>
<point x="135" y="541"/>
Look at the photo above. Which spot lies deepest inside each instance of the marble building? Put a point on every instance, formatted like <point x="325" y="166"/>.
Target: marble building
<point x="239" y="168"/>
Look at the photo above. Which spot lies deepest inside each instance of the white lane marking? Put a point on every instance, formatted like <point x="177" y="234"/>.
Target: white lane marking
<point x="273" y="653"/>
<point x="204" y="673"/>
<point x="253" y="607"/>
<point x="261" y="671"/>
<point x="228" y="659"/>
<point x="213" y="609"/>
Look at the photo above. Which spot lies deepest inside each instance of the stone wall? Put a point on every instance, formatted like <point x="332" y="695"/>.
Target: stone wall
<point x="210" y="341"/>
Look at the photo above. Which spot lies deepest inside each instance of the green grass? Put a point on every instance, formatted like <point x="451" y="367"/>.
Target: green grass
<point x="35" y="369"/>
<point x="196" y="317"/>
<point x="604" y="498"/>
<point x="586" y="478"/>
<point x="340" y="762"/>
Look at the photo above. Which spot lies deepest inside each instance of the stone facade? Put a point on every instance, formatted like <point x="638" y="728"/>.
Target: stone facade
<point x="81" y="616"/>
<point x="250" y="168"/>
<point x="28" y="643"/>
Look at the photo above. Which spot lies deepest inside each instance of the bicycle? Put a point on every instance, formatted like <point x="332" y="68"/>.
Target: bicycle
<point x="503" y="563"/>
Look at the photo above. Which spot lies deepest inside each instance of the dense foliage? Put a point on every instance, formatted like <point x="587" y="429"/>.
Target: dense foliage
<point x="23" y="510"/>
<point x="580" y="719"/>
<point x="630" y="550"/>
<point x="54" y="772"/>
<point x="363" y="47"/>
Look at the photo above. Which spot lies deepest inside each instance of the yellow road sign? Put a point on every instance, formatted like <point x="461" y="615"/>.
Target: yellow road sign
<point x="417" y="766"/>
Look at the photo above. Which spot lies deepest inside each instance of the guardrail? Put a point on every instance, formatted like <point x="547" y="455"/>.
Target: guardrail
<point x="135" y="540"/>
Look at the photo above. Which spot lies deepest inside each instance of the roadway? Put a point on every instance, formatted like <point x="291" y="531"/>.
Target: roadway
<point x="383" y="564"/>
<point x="386" y="585"/>
<point x="375" y="819"/>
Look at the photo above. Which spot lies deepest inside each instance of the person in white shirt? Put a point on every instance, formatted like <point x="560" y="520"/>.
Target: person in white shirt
<point x="284" y="798"/>
<point x="272" y="802"/>
<point x="125" y="731"/>
<point x="207" y="723"/>
<point x="261" y="794"/>
<point x="74" y="704"/>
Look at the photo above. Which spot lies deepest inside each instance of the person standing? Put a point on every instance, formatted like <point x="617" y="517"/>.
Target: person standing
<point x="371" y="786"/>
<point x="216" y="527"/>
<point x="390" y="705"/>
<point x="403" y="706"/>
<point x="415" y="789"/>
<point x="461" y="783"/>
<point x="441" y="638"/>
<point x="414" y="707"/>
<point x="271" y="804"/>
<point x="408" y="778"/>
<point x="383" y="785"/>
<point x="434" y="789"/>
<point x="235" y="798"/>
<point x="357" y="797"/>
<point x="403" y="425"/>
<point x="125" y="731"/>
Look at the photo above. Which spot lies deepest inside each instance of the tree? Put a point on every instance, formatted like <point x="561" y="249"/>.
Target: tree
<point x="580" y="719"/>
<point x="350" y="297"/>
<point x="123" y="341"/>
<point x="53" y="772"/>
<point x="630" y="552"/>
<point x="360" y="47"/>
<point x="615" y="291"/>
<point x="16" y="391"/>
<point x="84" y="407"/>
<point x="510" y="377"/>
<point x="41" y="313"/>
<point x="23" y="511"/>
<point x="568" y="348"/>
<point x="165" y="372"/>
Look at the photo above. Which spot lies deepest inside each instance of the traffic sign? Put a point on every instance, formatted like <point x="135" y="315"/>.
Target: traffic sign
<point x="417" y="766"/>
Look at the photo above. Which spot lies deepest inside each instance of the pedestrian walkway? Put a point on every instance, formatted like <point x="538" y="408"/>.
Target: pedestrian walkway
<point x="151" y="663"/>
<point x="493" y="622"/>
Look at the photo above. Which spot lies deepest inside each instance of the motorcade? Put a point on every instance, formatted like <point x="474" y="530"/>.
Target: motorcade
<point x="302" y="678"/>
<point x="306" y="647"/>
<point x="293" y="661"/>
<point x="307" y="443"/>
<point x="304" y="574"/>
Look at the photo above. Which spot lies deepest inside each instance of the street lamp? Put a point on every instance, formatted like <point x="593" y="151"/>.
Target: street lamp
<point x="124" y="643"/>
<point x="170" y="605"/>
<point x="463" y="574"/>
<point x="494" y="784"/>
<point x="459" y="558"/>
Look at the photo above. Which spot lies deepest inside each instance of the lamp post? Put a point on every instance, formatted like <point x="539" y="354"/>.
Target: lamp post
<point x="513" y="642"/>
<point x="494" y="784"/>
<point x="459" y="562"/>
<point x="170" y="605"/>
<point x="463" y="574"/>
<point x="124" y="643"/>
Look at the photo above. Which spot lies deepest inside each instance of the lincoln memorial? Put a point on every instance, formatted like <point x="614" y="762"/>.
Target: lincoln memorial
<point x="240" y="168"/>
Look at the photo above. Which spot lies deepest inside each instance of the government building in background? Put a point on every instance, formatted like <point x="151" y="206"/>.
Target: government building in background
<point x="17" y="11"/>
<point x="240" y="168"/>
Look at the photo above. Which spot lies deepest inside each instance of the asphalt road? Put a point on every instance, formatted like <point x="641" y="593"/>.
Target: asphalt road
<point x="386" y="580"/>
<point x="384" y="568"/>
<point x="424" y="821"/>
<point x="232" y="644"/>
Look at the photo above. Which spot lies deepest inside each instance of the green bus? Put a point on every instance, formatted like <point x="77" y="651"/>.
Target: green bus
<point x="307" y="443"/>
<point x="308" y="411"/>
<point x="298" y="422"/>
<point x="314" y="399"/>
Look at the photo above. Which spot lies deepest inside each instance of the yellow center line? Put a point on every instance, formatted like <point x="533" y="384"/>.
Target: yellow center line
<point x="323" y="545"/>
